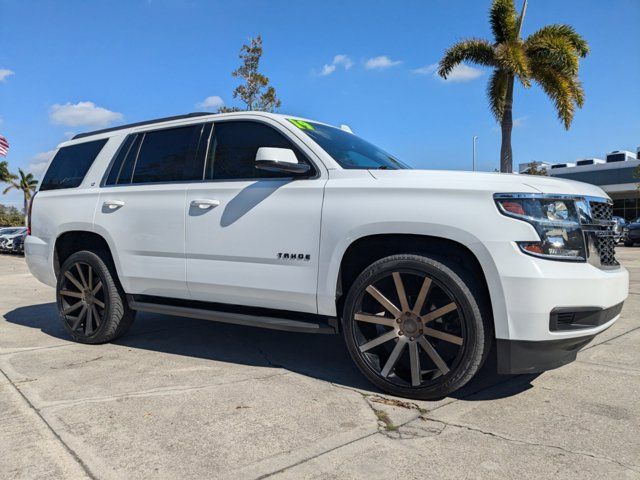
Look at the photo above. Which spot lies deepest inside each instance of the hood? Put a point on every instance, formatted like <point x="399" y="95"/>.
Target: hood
<point x="496" y="182"/>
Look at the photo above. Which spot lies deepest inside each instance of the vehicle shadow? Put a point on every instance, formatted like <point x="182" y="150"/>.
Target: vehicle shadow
<point x="324" y="357"/>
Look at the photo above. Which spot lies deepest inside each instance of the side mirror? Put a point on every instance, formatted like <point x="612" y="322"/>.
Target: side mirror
<point x="281" y="160"/>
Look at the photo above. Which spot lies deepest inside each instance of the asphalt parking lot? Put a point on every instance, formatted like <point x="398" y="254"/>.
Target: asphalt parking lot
<point x="183" y="398"/>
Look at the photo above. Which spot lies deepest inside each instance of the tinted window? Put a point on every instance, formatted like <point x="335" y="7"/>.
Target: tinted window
<point x="116" y="166"/>
<point x="168" y="156"/>
<point x="349" y="150"/>
<point x="71" y="164"/>
<point x="126" y="170"/>
<point x="233" y="149"/>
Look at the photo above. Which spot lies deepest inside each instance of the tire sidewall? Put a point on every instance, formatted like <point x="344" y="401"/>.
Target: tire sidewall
<point x="471" y="317"/>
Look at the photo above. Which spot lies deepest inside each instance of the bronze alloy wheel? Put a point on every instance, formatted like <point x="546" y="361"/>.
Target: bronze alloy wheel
<point x="82" y="299"/>
<point x="413" y="327"/>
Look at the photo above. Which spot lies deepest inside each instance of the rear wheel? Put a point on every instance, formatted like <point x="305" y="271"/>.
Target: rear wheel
<point x="414" y="328"/>
<point x="628" y="244"/>
<point x="92" y="307"/>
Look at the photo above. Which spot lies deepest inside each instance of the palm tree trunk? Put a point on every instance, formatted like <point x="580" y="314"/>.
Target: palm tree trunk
<point x="506" y="155"/>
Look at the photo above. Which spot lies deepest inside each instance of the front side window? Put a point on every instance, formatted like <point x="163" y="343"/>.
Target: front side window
<point x="70" y="165"/>
<point x="168" y="155"/>
<point x="233" y="147"/>
<point x="349" y="150"/>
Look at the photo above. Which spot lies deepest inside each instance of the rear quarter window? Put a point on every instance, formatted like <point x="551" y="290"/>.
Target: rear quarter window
<point x="70" y="165"/>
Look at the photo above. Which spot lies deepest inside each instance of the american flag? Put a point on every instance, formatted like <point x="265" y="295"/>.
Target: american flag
<point x="4" y="146"/>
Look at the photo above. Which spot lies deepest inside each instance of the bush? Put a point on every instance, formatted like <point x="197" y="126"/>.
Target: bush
<point x="10" y="216"/>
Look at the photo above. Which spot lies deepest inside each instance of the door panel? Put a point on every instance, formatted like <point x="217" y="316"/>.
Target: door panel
<point x="146" y="224"/>
<point x="240" y="250"/>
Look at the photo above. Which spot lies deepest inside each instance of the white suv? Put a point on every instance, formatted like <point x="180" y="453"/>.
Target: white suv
<point x="280" y="222"/>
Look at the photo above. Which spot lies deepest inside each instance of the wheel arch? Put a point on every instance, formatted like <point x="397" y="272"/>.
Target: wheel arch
<point x="72" y="241"/>
<point x="365" y="250"/>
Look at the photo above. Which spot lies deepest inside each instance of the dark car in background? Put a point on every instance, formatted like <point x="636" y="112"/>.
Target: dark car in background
<point x="631" y="233"/>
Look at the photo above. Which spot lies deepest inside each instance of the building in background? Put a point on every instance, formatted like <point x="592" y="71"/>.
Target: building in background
<point x="617" y="175"/>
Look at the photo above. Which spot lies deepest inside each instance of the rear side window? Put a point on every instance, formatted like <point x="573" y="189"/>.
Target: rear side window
<point x="233" y="148"/>
<point x="71" y="164"/>
<point x="122" y="166"/>
<point x="168" y="156"/>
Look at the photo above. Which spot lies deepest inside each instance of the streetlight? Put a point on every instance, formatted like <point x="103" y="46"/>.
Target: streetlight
<point x="475" y="137"/>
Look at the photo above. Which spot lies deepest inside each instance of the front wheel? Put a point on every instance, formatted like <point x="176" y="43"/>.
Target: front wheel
<point x="414" y="328"/>
<point x="91" y="305"/>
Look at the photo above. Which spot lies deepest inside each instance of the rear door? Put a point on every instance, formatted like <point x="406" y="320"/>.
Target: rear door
<point x="252" y="237"/>
<point x="142" y="208"/>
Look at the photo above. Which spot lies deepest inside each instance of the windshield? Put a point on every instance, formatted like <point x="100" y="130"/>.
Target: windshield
<point x="347" y="149"/>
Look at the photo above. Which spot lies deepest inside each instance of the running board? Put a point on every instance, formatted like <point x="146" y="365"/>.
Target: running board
<point x="328" y="326"/>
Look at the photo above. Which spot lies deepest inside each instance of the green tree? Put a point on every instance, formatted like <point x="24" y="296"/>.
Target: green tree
<point x="5" y="175"/>
<point x="550" y="57"/>
<point x="25" y="182"/>
<point x="255" y="92"/>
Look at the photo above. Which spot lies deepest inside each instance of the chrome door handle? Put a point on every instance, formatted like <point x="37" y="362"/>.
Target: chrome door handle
<point x="113" y="204"/>
<point x="205" y="203"/>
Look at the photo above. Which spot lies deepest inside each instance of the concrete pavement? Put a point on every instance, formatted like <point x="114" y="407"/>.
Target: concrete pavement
<point x="183" y="398"/>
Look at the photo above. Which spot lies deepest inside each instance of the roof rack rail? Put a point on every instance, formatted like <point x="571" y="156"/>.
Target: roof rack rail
<point x="140" y="124"/>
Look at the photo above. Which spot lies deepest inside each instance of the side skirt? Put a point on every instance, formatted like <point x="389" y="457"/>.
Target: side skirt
<point x="235" y="314"/>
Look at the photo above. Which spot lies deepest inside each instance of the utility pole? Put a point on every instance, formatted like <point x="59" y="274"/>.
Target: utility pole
<point x="475" y="137"/>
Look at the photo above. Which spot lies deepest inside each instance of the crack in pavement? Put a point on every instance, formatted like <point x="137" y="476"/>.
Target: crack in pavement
<point x="151" y="392"/>
<point x="632" y="467"/>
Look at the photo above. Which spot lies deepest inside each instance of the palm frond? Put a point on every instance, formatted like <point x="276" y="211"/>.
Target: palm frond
<point x="497" y="92"/>
<point x="512" y="57"/>
<point x="567" y="32"/>
<point x="504" y="20"/>
<point x="565" y="92"/>
<point x="471" y="50"/>
<point x="555" y="52"/>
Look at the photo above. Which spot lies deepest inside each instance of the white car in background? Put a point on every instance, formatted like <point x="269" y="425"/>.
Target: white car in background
<point x="274" y="221"/>
<point x="8" y="236"/>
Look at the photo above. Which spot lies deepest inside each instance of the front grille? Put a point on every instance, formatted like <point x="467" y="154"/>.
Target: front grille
<point x="605" y="245"/>
<point x="606" y="248"/>
<point x="601" y="211"/>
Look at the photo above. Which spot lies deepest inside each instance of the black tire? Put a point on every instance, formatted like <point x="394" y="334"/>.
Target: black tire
<point x="469" y="321"/>
<point x="102" y="296"/>
<point x="628" y="244"/>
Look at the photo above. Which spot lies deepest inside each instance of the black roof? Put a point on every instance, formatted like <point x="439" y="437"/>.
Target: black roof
<point x="140" y="124"/>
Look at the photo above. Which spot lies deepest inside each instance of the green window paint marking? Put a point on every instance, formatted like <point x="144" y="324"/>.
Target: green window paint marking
<point x="302" y="125"/>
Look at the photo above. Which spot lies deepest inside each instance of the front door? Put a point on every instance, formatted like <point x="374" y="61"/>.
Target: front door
<point x="252" y="237"/>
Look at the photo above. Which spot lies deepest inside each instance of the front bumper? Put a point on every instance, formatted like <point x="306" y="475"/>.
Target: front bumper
<point x="551" y="309"/>
<point x="519" y="356"/>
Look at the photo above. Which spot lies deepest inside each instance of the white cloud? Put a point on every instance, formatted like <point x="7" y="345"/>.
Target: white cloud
<point x="82" y="114"/>
<point x="339" y="60"/>
<point x="4" y="73"/>
<point x="462" y="73"/>
<point x="211" y="103"/>
<point x="519" y="122"/>
<point x="39" y="163"/>
<point x="426" y="70"/>
<point x="380" y="62"/>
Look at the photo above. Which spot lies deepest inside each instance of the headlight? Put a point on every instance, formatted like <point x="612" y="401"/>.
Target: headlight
<point x="557" y="221"/>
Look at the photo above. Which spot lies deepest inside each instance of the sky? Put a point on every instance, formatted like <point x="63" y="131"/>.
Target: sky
<point x="70" y="66"/>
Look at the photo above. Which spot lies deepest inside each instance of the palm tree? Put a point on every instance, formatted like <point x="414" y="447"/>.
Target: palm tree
<point x="25" y="182"/>
<point x="5" y="176"/>
<point x="549" y="56"/>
